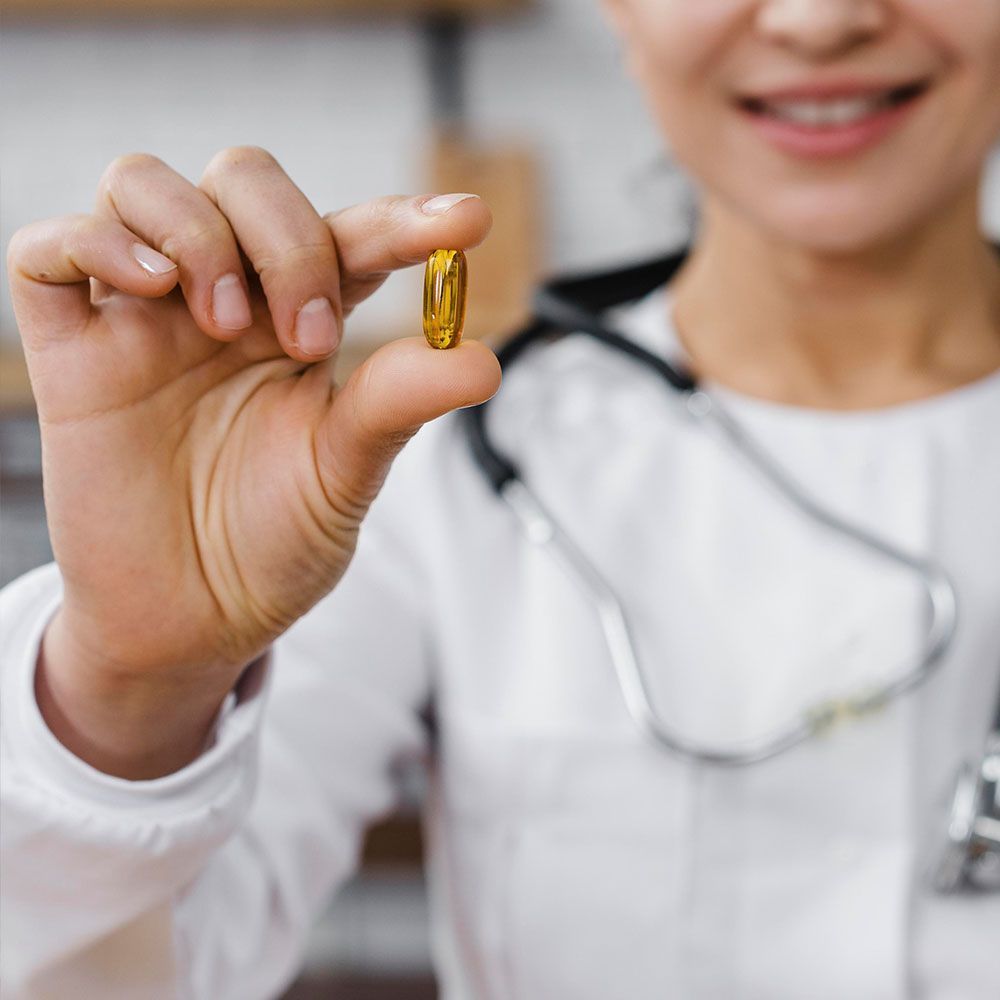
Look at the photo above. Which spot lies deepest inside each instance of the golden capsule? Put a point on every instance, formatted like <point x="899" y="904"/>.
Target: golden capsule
<point x="446" y="279"/>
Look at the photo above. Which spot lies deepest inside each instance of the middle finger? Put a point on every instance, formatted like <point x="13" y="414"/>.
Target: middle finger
<point x="288" y="245"/>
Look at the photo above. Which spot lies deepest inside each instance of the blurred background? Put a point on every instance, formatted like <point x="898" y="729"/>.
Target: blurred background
<point x="524" y="102"/>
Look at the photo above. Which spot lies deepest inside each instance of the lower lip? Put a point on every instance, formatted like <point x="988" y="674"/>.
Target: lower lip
<point x="827" y="141"/>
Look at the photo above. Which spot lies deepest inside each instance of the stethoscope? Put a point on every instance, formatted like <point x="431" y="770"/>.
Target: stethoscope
<point x="575" y="305"/>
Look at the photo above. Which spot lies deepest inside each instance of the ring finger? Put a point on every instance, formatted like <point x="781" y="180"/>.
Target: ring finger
<point x="172" y="215"/>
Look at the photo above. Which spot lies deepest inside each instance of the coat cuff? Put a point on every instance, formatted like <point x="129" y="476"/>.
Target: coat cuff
<point x="35" y="757"/>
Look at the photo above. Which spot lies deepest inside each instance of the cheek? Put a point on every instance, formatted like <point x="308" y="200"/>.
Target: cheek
<point x="967" y="33"/>
<point x="675" y="47"/>
<point x="680" y="38"/>
<point x="958" y="24"/>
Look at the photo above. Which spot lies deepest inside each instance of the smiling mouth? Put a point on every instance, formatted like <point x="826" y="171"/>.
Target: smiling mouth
<point x="832" y="112"/>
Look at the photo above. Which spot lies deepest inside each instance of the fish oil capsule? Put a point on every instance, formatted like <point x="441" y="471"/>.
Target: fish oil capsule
<point x="446" y="279"/>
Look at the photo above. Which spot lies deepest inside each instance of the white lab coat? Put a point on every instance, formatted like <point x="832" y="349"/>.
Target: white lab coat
<point x="569" y="857"/>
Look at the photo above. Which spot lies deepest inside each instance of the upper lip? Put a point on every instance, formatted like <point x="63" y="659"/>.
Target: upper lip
<point x="831" y="89"/>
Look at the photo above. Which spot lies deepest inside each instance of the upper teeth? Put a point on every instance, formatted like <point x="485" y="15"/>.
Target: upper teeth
<point x="835" y="112"/>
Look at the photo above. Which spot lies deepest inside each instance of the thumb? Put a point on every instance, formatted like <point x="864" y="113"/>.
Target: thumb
<point x="385" y="402"/>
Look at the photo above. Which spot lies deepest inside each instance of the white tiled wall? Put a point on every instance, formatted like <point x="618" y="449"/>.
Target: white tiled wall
<point x="343" y="105"/>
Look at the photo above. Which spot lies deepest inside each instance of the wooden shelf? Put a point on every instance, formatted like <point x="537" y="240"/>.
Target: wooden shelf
<point x="133" y="10"/>
<point x="504" y="269"/>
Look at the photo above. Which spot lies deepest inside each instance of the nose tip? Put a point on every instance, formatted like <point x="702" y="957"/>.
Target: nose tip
<point x="822" y="27"/>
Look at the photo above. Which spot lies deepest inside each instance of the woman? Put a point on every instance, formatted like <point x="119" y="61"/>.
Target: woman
<point x="191" y="756"/>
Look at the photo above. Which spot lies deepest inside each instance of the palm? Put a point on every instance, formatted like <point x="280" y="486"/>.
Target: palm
<point x="192" y="463"/>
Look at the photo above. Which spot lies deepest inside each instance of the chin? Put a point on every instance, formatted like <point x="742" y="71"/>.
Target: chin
<point x="838" y="223"/>
<point x="837" y="237"/>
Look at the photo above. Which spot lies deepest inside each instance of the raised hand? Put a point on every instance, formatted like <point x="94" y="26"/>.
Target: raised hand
<point x="204" y="478"/>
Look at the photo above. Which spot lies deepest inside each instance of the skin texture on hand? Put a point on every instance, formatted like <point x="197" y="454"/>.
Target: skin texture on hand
<point x="205" y="485"/>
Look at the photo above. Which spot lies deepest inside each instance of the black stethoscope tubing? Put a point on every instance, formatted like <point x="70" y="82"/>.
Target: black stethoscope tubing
<point x="573" y="304"/>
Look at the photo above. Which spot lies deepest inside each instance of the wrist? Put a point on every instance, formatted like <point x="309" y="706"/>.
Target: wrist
<point x="137" y="725"/>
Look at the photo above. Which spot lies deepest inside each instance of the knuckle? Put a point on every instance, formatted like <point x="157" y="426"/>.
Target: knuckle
<point x="378" y="211"/>
<point x="16" y="246"/>
<point x="400" y="244"/>
<point x="79" y="224"/>
<point x="239" y="159"/>
<point x="73" y="231"/>
<point x="128" y="165"/>
<point x="384" y="215"/>
<point x="295" y="257"/>
<point x="206" y="232"/>
<point x="26" y="240"/>
<point x="372" y="217"/>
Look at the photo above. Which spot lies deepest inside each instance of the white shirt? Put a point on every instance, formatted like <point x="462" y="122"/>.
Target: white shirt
<point x="569" y="857"/>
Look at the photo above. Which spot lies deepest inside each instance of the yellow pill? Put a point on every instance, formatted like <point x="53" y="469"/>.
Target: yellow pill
<point x="445" y="282"/>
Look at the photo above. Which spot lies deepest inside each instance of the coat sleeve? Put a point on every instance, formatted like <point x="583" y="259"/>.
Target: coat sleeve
<point x="204" y="883"/>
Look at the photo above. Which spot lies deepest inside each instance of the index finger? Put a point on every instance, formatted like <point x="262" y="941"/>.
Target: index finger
<point x="377" y="237"/>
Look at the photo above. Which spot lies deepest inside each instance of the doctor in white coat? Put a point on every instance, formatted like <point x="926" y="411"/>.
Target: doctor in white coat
<point x="205" y="699"/>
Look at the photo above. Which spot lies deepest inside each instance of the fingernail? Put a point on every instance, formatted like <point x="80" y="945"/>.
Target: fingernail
<point x="150" y="261"/>
<point x="230" y="308"/>
<point x="440" y="204"/>
<point x="316" y="328"/>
